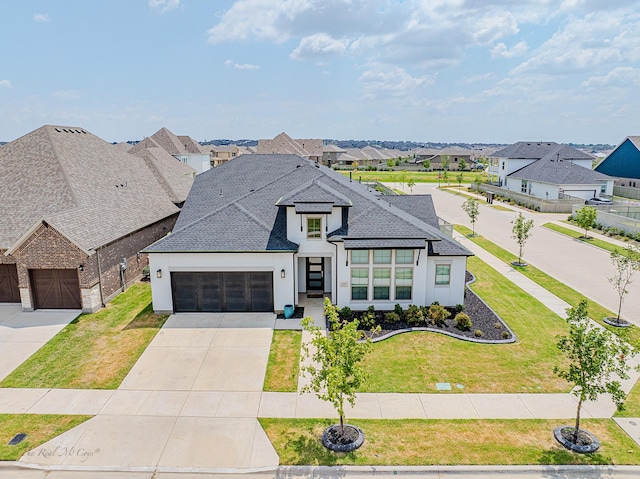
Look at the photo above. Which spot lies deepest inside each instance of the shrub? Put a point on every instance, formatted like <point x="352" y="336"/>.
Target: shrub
<point x="462" y="321"/>
<point x="497" y="325"/>
<point x="437" y="314"/>
<point x="413" y="315"/>
<point x="477" y="333"/>
<point x="398" y="310"/>
<point x="505" y="335"/>
<point x="459" y="308"/>
<point x="392" y="317"/>
<point x="345" y="313"/>
<point x="368" y="320"/>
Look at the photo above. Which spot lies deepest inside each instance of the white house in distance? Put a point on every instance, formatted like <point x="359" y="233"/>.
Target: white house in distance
<point x="548" y="170"/>
<point x="259" y="232"/>
<point x="183" y="148"/>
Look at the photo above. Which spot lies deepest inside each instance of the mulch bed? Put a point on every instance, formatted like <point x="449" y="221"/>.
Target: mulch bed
<point x="483" y="319"/>
<point x="298" y="313"/>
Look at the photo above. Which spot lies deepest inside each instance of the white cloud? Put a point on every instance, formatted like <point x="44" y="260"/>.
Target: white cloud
<point x="586" y="43"/>
<point x="394" y="81"/>
<point x="618" y="77"/>
<point x="41" y="17"/>
<point x="493" y="26"/>
<point x="164" y="6"/>
<point x="501" y="50"/>
<point x="5" y="84"/>
<point x="241" y="66"/>
<point x="319" y="45"/>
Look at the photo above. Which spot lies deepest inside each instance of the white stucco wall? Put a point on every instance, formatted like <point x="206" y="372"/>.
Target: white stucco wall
<point x="283" y="288"/>
<point x="424" y="289"/>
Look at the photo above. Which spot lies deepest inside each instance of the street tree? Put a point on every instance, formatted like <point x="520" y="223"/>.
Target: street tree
<point x="445" y="177"/>
<point x="585" y="217"/>
<point x="445" y="161"/>
<point x="471" y="208"/>
<point x="462" y="165"/>
<point x="336" y="371"/>
<point x="520" y="232"/>
<point x="391" y="163"/>
<point x="596" y="361"/>
<point x="460" y="178"/>
<point x="411" y="183"/>
<point x="426" y="164"/>
<point x="626" y="263"/>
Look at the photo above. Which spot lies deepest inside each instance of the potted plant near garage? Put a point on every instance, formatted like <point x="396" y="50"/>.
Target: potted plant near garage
<point x="336" y="373"/>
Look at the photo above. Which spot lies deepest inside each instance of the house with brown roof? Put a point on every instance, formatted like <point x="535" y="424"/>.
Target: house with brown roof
<point x="75" y="214"/>
<point x="283" y="144"/>
<point x="175" y="177"/>
<point x="183" y="148"/>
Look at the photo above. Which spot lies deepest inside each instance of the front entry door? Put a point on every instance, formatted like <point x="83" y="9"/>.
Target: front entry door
<point x="315" y="277"/>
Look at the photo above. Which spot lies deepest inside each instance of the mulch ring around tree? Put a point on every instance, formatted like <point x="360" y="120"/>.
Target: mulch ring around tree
<point x="586" y="442"/>
<point x="346" y="439"/>
<point x="487" y="326"/>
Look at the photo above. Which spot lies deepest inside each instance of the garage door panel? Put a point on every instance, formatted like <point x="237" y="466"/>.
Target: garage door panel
<point x="55" y="288"/>
<point x="261" y="289"/>
<point x="212" y="293"/>
<point x="184" y="287"/>
<point x="236" y="292"/>
<point x="222" y="291"/>
<point x="9" y="290"/>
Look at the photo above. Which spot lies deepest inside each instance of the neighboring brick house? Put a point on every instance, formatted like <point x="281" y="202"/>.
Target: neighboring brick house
<point x="75" y="214"/>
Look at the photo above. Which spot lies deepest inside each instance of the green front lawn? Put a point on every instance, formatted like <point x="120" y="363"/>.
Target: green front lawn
<point x="579" y="235"/>
<point x="39" y="428"/>
<point x="415" y="362"/>
<point x="284" y="361"/>
<point x="561" y="290"/>
<point x="417" y="176"/>
<point x="95" y="351"/>
<point x="413" y="442"/>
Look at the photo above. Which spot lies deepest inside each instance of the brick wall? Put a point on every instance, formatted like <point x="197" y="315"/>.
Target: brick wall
<point x="128" y="247"/>
<point x="46" y="248"/>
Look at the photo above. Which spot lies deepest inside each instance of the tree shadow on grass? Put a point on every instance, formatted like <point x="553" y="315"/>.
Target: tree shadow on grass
<point x="146" y="319"/>
<point x="311" y="451"/>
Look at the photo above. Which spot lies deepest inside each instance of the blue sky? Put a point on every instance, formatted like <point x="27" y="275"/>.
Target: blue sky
<point x="432" y="70"/>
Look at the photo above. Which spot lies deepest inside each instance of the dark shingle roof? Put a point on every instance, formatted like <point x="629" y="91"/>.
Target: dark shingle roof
<point x="238" y="207"/>
<point x="536" y="150"/>
<point x="89" y="190"/>
<point x="557" y="168"/>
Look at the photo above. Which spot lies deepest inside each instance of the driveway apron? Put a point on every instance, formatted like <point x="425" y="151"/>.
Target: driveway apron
<point x="22" y="333"/>
<point x="189" y="403"/>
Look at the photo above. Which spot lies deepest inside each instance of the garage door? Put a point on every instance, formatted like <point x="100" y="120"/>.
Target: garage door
<point x="55" y="288"/>
<point x="222" y="291"/>
<point x="9" y="291"/>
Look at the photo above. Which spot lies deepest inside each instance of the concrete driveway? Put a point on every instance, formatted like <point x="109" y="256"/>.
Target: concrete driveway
<point x="23" y="333"/>
<point x="190" y="403"/>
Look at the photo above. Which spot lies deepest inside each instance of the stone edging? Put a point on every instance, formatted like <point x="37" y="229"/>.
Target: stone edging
<point x="512" y="339"/>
